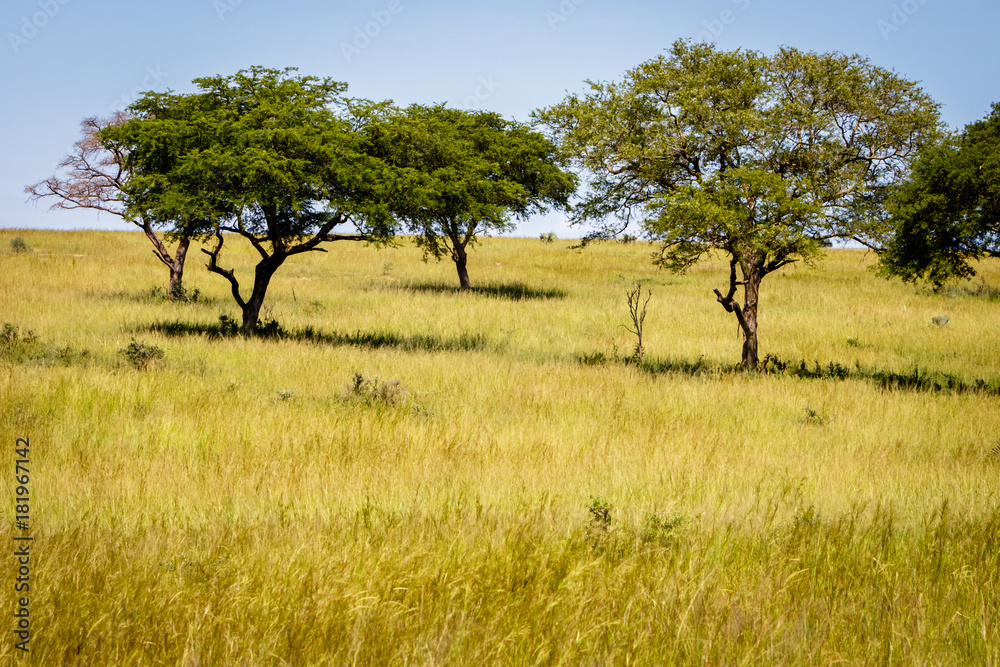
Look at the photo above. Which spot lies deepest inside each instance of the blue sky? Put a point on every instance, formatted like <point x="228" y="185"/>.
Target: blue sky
<point x="63" y="60"/>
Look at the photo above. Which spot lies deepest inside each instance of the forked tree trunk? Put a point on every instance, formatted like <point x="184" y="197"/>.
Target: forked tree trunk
<point x="746" y="315"/>
<point x="174" y="262"/>
<point x="461" y="264"/>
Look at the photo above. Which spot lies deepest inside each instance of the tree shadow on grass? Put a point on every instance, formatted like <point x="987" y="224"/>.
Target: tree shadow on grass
<point x="917" y="380"/>
<point x="157" y="295"/>
<point x="509" y="291"/>
<point x="271" y="330"/>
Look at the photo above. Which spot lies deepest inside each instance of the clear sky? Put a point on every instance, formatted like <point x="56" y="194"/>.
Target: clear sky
<point x="64" y="60"/>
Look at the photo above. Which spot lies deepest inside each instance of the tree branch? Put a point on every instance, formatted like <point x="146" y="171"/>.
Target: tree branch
<point x="213" y="266"/>
<point x="729" y="302"/>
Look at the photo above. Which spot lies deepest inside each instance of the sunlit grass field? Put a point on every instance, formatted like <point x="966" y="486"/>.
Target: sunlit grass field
<point x="505" y="503"/>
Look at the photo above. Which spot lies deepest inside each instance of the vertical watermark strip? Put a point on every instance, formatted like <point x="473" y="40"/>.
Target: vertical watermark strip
<point x="22" y="544"/>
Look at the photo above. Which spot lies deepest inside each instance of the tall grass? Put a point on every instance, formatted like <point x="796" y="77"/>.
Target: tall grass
<point x="228" y="505"/>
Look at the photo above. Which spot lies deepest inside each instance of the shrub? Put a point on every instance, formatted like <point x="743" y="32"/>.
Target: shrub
<point x="180" y="293"/>
<point x="548" y="237"/>
<point x="374" y="392"/>
<point x="142" y="356"/>
<point x="600" y="513"/>
<point x="660" y="530"/>
<point x="16" y="346"/>
<point x="18" y="244"/>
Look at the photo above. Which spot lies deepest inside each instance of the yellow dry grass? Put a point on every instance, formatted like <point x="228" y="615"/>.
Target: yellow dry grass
<point x="230" y="505"/>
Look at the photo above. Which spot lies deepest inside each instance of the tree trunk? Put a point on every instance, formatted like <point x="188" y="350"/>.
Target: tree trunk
<point x="753" y="272"/>
<point x="176" y="265"/>
<point x="461" y="263"/>
<point x="175" y="262"/>
<point x="751" y="359"/>
<point x="262" y="278"/>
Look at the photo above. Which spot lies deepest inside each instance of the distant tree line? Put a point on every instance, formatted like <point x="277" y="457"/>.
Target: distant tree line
<point x="764" y="159"/>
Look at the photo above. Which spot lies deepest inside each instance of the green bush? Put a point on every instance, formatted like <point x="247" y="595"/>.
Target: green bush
<point x="18" y="245"/>
<point x="142" y="356"/>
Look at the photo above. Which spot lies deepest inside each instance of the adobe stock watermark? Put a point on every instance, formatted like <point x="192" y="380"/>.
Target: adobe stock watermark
<point x="484" y="91"/>
<point x="32" y="25"/>
<point x="154" y="76"/>
<point x="715" y="27"/>
<point x="899" y="17"/>
<point x="562" y="13"/>
<point x="223" y="7"/>
<point x="363" y="35"/>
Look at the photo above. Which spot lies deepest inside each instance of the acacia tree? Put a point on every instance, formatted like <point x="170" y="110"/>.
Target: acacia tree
<point x="276" y="159"/>
<point x="471" y="171"/>
<point x="761" y="158"/>
<point x="947" y="212"/>
<point x="93" y="176"/>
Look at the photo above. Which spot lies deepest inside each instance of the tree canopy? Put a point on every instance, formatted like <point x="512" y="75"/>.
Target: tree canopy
<point x="277" y="159"/>
<point x="471" y="172"/>
<point x="947" y="212"/>
<point x="762" y="158"/>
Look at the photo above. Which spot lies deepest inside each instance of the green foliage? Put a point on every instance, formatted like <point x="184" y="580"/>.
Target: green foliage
<point x="19" y="245"/>
<point x="915" y="380"/>
<point x="275" y="158"/>
<point x="547" y="237"/>
<point x="947" y="213"/>
<point x="16" y="346"/>
<point x="180" y="293"/>
<point x="468" y="173"/>
<point x="266" y="328"/>
<point x="600" y="513"/>
<point x="21" y="348"/>
<point x="661" y="530"/>
<point x="142" y="356"/>
<point x="738" y="152"/>
<point x="813" y="417"/>
<point x="594" y="359"/>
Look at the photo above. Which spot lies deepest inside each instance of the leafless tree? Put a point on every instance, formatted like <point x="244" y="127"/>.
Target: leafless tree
<point x="637" y="311"/>
<point x="93" y="176"/>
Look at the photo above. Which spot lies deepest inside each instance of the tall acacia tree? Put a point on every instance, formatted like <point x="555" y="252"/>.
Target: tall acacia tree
<point x="761" y="158"/>
<point x="274" y="158"/>
<point x="93" y="176"/>
<point x="472" y="171"/>
<point x="947" y="212"/>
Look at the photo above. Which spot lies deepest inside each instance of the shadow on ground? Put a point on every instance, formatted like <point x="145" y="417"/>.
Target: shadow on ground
<point x="916" y="380"/>
<point x="271" y="330"/>
<point x="509" y="291"/>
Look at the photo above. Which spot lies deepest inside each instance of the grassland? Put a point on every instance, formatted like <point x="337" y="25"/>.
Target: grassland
<point x="234" y="504"/>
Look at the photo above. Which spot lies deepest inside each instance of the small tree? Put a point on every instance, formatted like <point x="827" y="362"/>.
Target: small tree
<point x="270" y="157"/>
<point x="474" y="170"/>
<point x="759" y="158"/>
<point x="637" y="313"/>
<point x="947" y="212"/>
<point x="93" y="176"/>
